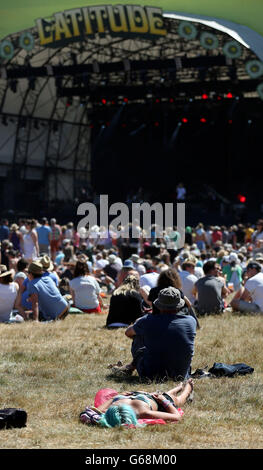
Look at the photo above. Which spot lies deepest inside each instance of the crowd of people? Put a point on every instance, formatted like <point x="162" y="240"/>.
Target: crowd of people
<point x="156" y="291"/>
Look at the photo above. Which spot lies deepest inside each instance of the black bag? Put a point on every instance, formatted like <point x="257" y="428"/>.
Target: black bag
<point x="12" y="418"/>
<point x="220" y="369"/>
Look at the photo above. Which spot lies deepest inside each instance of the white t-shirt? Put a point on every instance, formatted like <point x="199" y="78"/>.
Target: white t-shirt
<point x="86" y="289"/>
<point x="198" y="272"/>
<point x="8" y="293"/>
<point x="254" y="285"/>
<point x="188" y="282"/>
<point x="101" y="263"/>
<point x="149" y="279"/>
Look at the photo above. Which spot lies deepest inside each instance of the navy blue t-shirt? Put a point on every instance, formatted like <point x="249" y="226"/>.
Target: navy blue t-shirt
<point x="169" y="344"/>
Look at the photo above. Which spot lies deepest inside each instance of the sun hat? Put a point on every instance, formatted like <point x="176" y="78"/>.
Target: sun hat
<point x="254" y="265"/>
<point x="46" y="263"/>
<point x="136" y="258"/>
<point x="169" y="299"/>
<point x="4" y="271"/>
<point x="112" y="259"/>
<point x="128" y="264"/>
<point x="233" y="257"/>
<point x="14" y="227"/>
<point x="35" y="268"/>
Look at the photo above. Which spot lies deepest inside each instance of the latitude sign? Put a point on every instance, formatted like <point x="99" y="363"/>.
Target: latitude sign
<point x="118" y="20"/>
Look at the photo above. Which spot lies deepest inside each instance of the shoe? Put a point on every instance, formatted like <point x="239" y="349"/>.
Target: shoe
<point x="118" y="364"/>
<point x="123" y="371"/>
<point x="200" y="374"/>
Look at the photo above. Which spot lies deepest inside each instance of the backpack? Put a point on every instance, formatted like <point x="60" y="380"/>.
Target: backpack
<point x="12" y="418"/>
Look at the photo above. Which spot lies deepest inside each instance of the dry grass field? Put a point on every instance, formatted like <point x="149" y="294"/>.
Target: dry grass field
<point x="53" y="370"/>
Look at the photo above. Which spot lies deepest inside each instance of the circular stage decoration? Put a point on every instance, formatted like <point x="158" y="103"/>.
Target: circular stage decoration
<point x="209" y="40"/>
<point x="6" y="49"/>
<point x="260" y="90"/>
<point x="254" y="68"/>
<point x="26" y="41"/>
<point x="187" y="30"/>
<point x="232" y="50"/>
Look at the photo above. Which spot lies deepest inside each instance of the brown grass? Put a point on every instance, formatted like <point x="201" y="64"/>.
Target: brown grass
<point x="53" y="370"/>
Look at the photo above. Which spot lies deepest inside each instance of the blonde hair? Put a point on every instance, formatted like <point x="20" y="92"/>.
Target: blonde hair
<point x="129" y="284"/>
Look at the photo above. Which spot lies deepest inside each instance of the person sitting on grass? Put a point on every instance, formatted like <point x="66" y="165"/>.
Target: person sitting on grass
<point x="163" y="343"/>
<point x="125" y="303"/>
<point x="210" y="290"/>
<point x="47" y="302"/>
<point x="126" y="408"/>
<point x="249" y="299"/>
<point x="8" y="294"/>
<point x="85" y="290"/>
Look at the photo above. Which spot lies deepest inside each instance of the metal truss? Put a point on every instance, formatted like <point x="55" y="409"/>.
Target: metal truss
<point x="56" y="90"/>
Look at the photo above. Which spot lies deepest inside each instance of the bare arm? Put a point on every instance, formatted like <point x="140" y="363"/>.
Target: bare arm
<point x="130" y="332"/>
<point x="34" y="299"/>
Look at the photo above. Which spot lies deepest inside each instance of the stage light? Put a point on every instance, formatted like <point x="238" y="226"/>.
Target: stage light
<point x="184" y="120"/>
<point x="229" y="95"/>
<point x="171" y="100"/>
<point x="103" y="101"/>
<point x="204" y="96"/>
<point x="230" y="121"/>
<point x="157" y="100"/>
<point x="203" y="120"/>
<point x="242" y="198"/>
<point x="125" y="100"/>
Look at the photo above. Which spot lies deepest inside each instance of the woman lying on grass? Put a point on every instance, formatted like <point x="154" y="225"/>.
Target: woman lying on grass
<point x="128" y="407"/>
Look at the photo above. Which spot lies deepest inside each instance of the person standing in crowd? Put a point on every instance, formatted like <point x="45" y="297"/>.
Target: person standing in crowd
<point x="210" y="290"/>
<point x="44" y="237"/>
<point x="249" y="299"/>
<point x="55" y="239"/>
<point x="180" y="193"/>
<point x="30" y="246"/>
<point x="257" y="238"/>
<point x="4" y="230"/>
<point x="216" y="235"/>
<point x="15" y="237"/>
<point x="200" y="237"/>
<point x="233" y="271"/>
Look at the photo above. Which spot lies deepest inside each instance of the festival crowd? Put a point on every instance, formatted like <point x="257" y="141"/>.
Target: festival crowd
<point x="155" y="290"/>
<point x="214" y="262"/>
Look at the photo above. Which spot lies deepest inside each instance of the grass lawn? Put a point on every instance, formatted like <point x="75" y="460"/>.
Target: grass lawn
<point x="53" y="370"/>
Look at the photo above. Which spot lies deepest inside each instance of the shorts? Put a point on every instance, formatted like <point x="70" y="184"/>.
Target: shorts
<point x="89" y="310"/>
<point x="54" y="245"/>
<point x="248" y="307"/>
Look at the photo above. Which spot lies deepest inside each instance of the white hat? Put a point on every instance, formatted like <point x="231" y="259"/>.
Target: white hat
<point x="112" y="259"/>
<point x="233" y="257"/>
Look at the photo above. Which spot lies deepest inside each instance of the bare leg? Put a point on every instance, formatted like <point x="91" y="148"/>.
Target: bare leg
<point x="181" y="399"/>
<point x="174" y="391"/>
